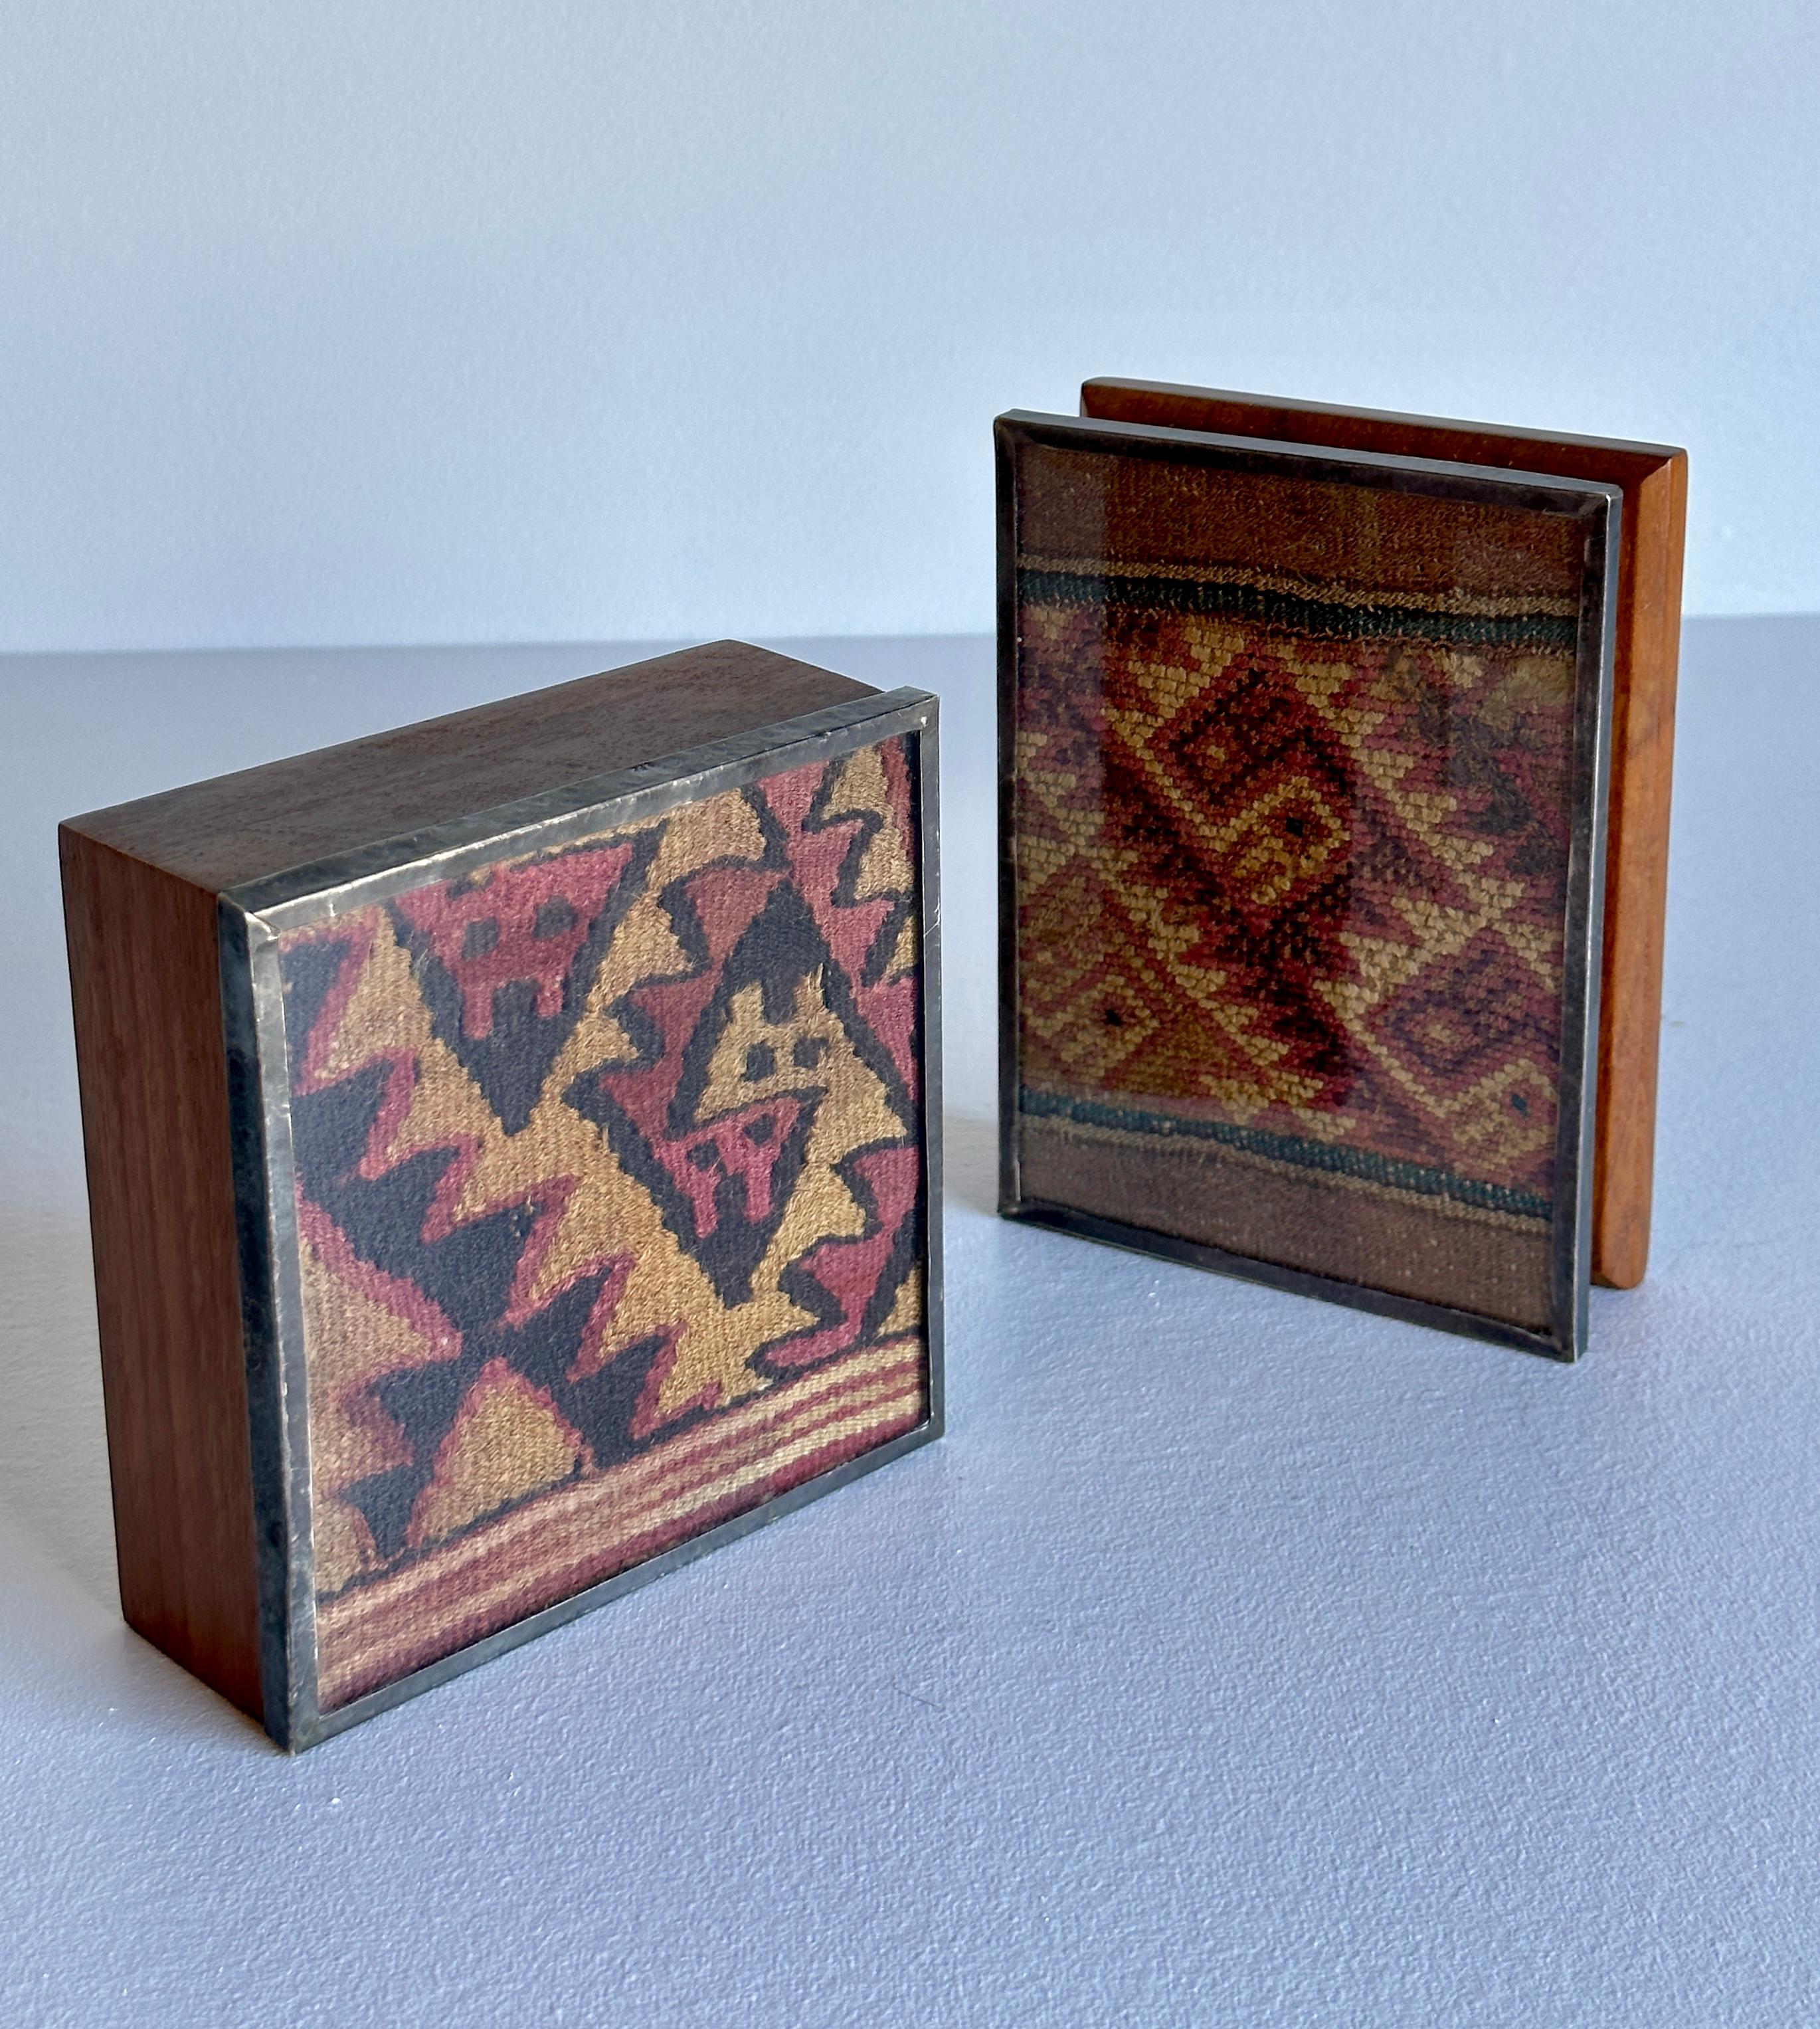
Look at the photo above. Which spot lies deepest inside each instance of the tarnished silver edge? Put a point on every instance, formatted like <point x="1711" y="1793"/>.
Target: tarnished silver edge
<point x="926" y="786"/>
<point x="1584" y="931"/>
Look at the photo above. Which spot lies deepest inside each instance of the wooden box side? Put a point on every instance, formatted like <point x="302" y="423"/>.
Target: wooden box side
<point x="1636" y="870"/>
<point x="151" y="1064"/>
<point x="1654" y="479"/>
<point x="237" y="829"/>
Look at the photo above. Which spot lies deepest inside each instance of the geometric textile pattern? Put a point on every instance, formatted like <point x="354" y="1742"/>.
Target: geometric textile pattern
<point x="1292" y="866"/>
<point x="609" y="1182"/>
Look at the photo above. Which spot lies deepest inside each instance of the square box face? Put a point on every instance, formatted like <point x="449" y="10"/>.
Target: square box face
<point x="1303" y="761"/>
<point x="607" y="1156"/>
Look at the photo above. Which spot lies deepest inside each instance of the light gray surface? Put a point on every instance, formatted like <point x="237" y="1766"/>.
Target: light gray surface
<point x="1235" y="1659"/>
<point x="526" y="319"/>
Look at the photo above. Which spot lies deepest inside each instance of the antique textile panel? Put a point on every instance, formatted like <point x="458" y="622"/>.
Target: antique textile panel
<point x="1292" y="829"/>
<point x="609" y="1190"/>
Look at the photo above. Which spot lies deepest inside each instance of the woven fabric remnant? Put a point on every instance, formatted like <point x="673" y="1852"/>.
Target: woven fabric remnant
<point x="610" y="1190"/>
<point x="1291" y="850"/>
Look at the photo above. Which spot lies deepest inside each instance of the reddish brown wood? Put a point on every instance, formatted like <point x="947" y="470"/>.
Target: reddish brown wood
<point x="153" y="1068"/>
<point x="1654" y="479"/>
<point x="141" y="884"/>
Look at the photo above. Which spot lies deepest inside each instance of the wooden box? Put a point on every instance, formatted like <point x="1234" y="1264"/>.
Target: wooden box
<point x="1336" y="770"/>
<point x="513" y="1157"/>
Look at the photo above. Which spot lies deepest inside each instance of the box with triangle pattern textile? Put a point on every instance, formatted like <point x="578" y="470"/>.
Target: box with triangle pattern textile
<point x="513" y="1161"/>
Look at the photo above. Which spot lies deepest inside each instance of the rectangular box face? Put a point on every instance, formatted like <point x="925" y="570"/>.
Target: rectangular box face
<point x="1302" y="818"/>
<point x="611" y="1184"/>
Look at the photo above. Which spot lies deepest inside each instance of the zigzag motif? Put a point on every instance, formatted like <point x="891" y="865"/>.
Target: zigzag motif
<point x="594" y="1146"/>
<point x="326" y="1062"/>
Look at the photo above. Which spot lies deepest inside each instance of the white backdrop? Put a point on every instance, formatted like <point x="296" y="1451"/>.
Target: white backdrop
<point x="493" y="319"/>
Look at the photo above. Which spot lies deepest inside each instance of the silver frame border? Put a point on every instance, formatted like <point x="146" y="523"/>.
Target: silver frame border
<point x="1599" y="508"/>
<point x="250" y="918"/>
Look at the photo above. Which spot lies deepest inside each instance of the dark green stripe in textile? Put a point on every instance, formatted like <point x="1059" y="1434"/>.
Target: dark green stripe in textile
<point x="1360" y="1162"/>
<point x="1284" y="609"/>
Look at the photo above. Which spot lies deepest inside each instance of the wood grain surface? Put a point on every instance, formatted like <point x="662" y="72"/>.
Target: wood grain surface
<point x="262" y="821"/>
<point x="152" y="1065"/>
<point x="1654" y="479"/>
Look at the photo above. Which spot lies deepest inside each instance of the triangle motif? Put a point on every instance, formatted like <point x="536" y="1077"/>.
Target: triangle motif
<point x="508" y="1442"/>
<point x="716" y="1130"/>
<point x="504" y="960"/>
